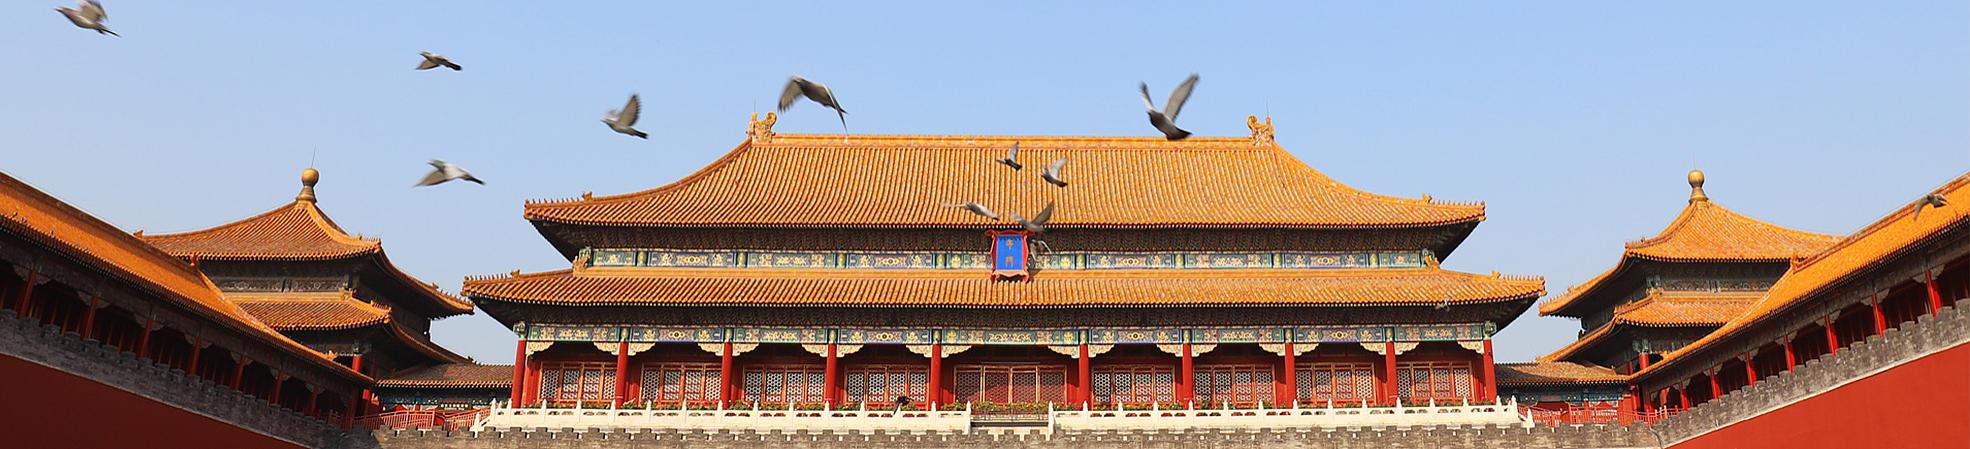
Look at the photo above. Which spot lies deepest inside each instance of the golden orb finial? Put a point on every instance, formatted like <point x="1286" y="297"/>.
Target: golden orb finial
<point x="308" y="179"/>
<point x="1696" y="187"/>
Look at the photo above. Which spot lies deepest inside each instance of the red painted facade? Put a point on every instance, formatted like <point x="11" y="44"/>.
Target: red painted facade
<point x="65" y="409"/>
<point x="1922" y="404"/>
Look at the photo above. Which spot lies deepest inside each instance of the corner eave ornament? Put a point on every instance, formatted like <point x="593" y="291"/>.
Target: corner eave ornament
<point x="761" y="131"/>
<point x="1261" y="132"/>
<point x="1010" y="255"/>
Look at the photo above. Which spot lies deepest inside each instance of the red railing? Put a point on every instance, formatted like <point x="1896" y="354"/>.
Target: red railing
<point x="1567" y="416"/>
<point x="423" y="419"/>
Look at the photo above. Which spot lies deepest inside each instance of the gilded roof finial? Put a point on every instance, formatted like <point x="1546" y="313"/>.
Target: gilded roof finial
<point x="1696" y="187"/>
<point x="308" y="179"/>
<point x="761" y="131"/>
<point x="1261" y="132"/>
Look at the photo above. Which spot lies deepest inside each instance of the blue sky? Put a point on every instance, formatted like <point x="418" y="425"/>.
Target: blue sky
<point x="1574" y="121"/>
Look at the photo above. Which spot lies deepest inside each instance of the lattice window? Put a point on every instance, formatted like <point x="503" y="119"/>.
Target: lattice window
<point x="1133" y="384"/>
<point x="785" y="383"/>
<point x="572" y="381"/>
<point x="1340" y="382"/>
<point x="673" y="382"/>
<point x="1010" y="383"/>
<point x="1420" y="381"/>
<point x="882" y="384"/>
<point x="1238" y="384"/>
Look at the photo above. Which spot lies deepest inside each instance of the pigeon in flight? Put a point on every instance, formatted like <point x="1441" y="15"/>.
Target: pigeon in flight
<point x="820" y="93"/>
<point x="433" y="60"/>
<point x="1039" y="222"/>
<point x="1935" y="200"/>
<point x="1165" y="120"/>
<point x="1052" y="172"/>
<point x="89" y="17"/>
<point x="442" y="172"/>
<point x="623" y="121"/>
<point x="1012" y="158"/>
<point x="976" y="209"/>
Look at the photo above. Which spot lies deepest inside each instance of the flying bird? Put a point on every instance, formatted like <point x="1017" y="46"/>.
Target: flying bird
<point x="433" y="60"/>
<point x="442" y="172"/>
<point x="623" y="121"/>
<point x="1935" y="200"/>
<point x="1165" y="120"/>
<point x="1012" y="158"/>
<point x="1052" y="172"/>
<point x="976" y="209"/>
<point x="820" y="93"/>
<point x="89" y="17"/>
<point x="1039" y="222"/>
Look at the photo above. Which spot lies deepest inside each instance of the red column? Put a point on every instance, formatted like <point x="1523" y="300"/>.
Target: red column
<point x="1683" y="396"/>
<point x="1648" y="405"/>
<point x="1085" y="391"/>
<point x="519" y="373"/>
<point x="934" y="393"/>
<point x="1750" y="371"/>
<point x="622" y="374"/>
<point x="27" y="291"/>
<point x="1880" y="321"/>
<point x="1790" y="359"/>
<point x="89" y="319"/>
<point x="1390" y="394"/>
<point x="1186" y="391"/>
<point x="143" y="340"/>
<point x="239" y="371"/>
<point x="310" y="408"/>
<point x="1832" y="340"/>
<point x="1490" y="375"/>
<point x="274" y="396"/>
<point x="1291" y="394"/>
<point x="725" y="374"/>
<point x="830" y="373"/>
<point x="191" y="361"/>
<point x="358" y="405"/>
<point x="1935" y="298"/>
<point x="1716" y="389"/>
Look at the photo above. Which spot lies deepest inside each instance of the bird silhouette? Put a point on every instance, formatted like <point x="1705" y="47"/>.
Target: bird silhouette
<point x="819" y="93"/>
<point x="624" y="121"/>
<point x="442" y="172"/>
<point x="1039" y="222"/>
<point x="1165" y="120"/>
<point x="1052" y="172"/>
<point x="89" y="17"/>
<point x="434" y="60"/>
<point x="975" y="208"/>
<point x="1012" y="157"/>
<point x="1935" y="200"/>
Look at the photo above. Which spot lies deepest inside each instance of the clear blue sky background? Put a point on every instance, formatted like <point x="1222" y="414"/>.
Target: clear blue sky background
<point x="1574" y="121"/>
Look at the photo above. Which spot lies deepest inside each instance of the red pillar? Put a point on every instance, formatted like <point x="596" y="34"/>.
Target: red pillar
<point x="1187" y="391"/>
<point x="274" y="396"/>
<point x="191" y="361"/>
<point x="143" y="339"/>
<point x="1390" y="395"/>
<point x="1648" y="405"/>
<point x="239" y="371"/>
<point x="519" y="373"/>
<point x="725" y="374"/>
<point x="1880" y="321"/>
<point x="1716" y="389"/>
<point x="830" y="373"/>
<point x="934" y="393"/>
<point x="1935" y="298"/>
<point x="310" y="408"/>
<point x="1790" y="359"/>
<point x="89" y="319"/>
<point x="27" y="291"/>
<point x="1750" y="371"/>
<point x="622" y="375"/>
<point x="1490" y="375"/>
<point x="1832" y="340"/>
<point x="358" y="405"/>
<point x="1085" y="391"/>
<point x="1683" y="396"/>
<point x="1291" y="394"/>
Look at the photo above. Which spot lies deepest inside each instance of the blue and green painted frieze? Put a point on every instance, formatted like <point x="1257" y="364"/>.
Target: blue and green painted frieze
<point x="1077" y="260"/>
<point x="1000" y="336"/>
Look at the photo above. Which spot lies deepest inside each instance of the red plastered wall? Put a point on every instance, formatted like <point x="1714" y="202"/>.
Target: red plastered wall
<point x="48" y="408"/>
<point x="1922" y="404"/>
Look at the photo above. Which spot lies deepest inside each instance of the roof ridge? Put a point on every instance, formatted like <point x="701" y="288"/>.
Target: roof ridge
<point x="715" y="166"/>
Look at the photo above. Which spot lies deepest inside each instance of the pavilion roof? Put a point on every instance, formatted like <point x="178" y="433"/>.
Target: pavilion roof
<point x="311" y="310"/>
<point x="1897" y="234"/>
<point x="1554" y="373"/>
<point x="296" y="231"/>
<point x="1703" y="232"/>
<point x="35" y="215"/>
<point x="896" y="181"/>
<point x="452" y="375"/>
<point x="972" y="288"/>
<point x="1664" y="309"/>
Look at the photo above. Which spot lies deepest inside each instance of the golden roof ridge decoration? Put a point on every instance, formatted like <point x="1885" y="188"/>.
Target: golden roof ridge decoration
<point x="1261" y="132"/>
<point x="761" y="130"/>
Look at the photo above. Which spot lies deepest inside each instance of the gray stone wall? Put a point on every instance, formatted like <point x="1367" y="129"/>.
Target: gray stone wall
<point x="47" y="345"/>
<point x="1927" y="335"/>
<point x="1438" y="437"/>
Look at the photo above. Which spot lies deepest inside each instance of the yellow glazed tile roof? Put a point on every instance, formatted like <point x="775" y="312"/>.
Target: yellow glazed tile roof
<point x="1546" y="373"/>
<point x="311" y="310"/>
<point x="1704" y="232"/>
<point x="452" y="375"/>
<point x="972" y="288"/>
<point x="1664" y="309"/>
<point x="901" y="181"/>
<point x="1899" y="232"/>
<point x="35" y="215"/>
